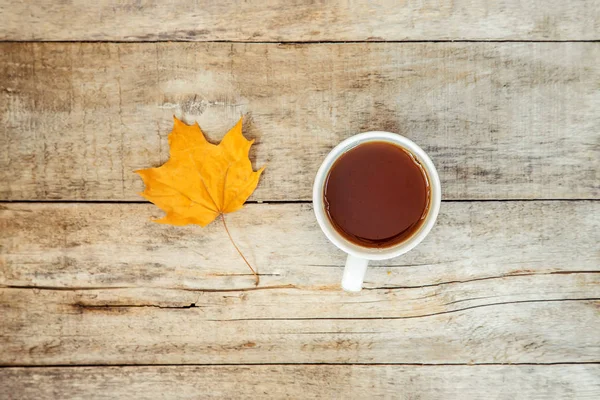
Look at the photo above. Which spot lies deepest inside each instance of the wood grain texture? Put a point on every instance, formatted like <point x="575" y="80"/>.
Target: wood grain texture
<point x="280" y="20"/>
<point x="77" y="276"/>
<point x="308" y="381"/>
<point x="55" y="327"/>
<point x="110" y="245"/>
<point x="500" y="120"/>
<point x="496" y="283"/>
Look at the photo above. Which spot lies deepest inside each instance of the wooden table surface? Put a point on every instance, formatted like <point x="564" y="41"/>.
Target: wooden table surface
<point x="501" y="301"/>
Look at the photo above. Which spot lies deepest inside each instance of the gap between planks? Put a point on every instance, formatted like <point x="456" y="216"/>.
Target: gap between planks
<point x="84" y="201"/>
<point x="9" y="366"/>
<point x="296" y="42"/>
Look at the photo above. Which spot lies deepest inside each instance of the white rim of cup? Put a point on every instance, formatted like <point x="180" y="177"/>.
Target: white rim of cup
<point x="366" y="252"/>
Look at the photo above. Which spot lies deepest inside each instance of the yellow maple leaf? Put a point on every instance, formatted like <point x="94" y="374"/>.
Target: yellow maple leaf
<point x="201" y="181"/>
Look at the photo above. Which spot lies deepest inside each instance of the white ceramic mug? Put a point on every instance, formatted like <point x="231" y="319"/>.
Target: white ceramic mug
<point x="359" y="256"/>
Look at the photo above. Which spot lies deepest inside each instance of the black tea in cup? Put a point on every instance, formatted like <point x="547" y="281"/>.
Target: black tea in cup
<point x="377" y="194"/>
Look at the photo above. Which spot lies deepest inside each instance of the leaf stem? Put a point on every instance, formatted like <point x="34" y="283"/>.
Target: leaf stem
<point x="256" y="277"/>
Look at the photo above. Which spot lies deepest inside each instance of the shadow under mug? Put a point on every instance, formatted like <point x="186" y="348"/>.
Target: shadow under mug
<point x="359" y="256"/>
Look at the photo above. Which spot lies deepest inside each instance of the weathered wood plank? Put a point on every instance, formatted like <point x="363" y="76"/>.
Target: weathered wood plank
<point x="47" y="327"/>
<point x="281" y="20"/>
<point x="116" y="245"/>
<point x="500" y="120"/>
<point x="307" y="381"/>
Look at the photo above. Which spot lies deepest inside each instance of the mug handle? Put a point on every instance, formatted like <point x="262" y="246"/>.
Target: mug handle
<point x="354" y="273"/>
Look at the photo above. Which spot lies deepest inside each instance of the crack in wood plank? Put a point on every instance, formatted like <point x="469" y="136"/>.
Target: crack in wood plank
<point x="479" y="279"/>
<point x="193" y="305"/>
<point x="592" y="299"/>
<point x="142" y="365"/>
<point x="290" y="286"/>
